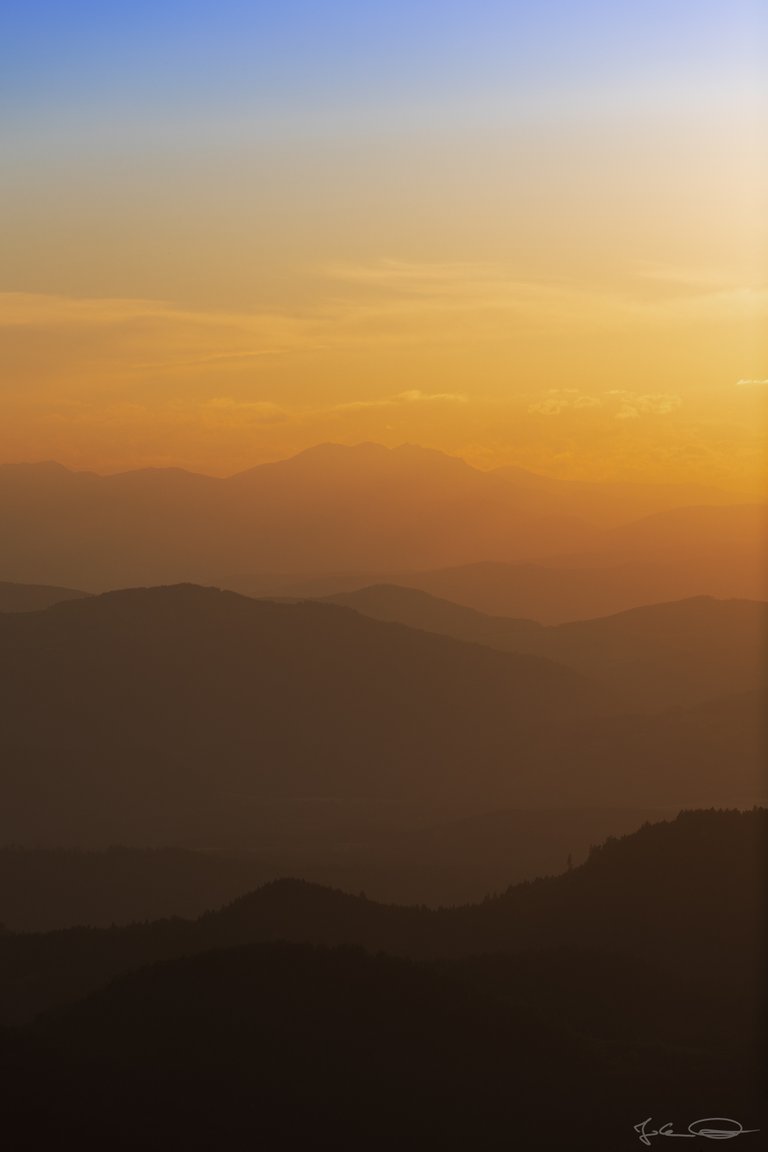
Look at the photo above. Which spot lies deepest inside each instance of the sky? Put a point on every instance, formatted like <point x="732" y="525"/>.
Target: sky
<point x="521" y="233"/>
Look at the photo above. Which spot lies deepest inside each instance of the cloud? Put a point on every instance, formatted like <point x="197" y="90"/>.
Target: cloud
<point x="413" y="396"/>
<point x="751" y="383"/>
<point x="632" y="405"/>
<point x="558" y="400"/>
<point x="495" y="295"/>
<point x="133" y="338"/>
<point x="623" y="404"/>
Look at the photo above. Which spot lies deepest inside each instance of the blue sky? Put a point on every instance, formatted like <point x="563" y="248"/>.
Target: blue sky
<point x="183" y="54"/>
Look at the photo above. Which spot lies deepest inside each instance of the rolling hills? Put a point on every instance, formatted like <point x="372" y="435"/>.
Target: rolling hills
<point x="175" y="715"/>
<point x="686" y="895"/>
<point x="659" y="655"/>
<point x="154" y="708"/>
<point x="397" y="854"/>
<point x="679" y="554"/>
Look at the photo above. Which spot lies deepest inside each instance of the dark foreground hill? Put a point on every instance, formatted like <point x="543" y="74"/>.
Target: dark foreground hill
<point x="563" y="1013"/>
<point x="686" y="895"/>
<point x="293" y="1047"/>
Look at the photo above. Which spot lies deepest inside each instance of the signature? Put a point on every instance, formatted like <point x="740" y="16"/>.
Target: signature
<point x="713" y="1128"/>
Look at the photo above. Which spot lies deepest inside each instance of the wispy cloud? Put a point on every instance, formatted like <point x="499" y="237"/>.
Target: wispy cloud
<point x="558" y="400"/>
<point x="494" y="293"/>
<point x="677" y="292"/>
<point x="141" y="338"/>
<point x="635" y="404"/>
<point x="621" y="404"/>
<point x="413" y="396"/>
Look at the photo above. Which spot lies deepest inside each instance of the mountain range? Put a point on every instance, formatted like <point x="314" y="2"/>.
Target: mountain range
<point x="402" y="853"/>
<point x="658" y="655"/>
<point x="685" y="895"/>
<point x="175" y="702"/>
<point x="181" y="715"/>
<point x="400" y="514"/>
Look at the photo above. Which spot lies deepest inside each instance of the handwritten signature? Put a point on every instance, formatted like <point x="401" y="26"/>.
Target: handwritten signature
<point x="713" y="1128"/>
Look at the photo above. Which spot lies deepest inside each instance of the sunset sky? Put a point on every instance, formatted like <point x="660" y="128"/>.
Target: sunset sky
<point x="522" y="233"/>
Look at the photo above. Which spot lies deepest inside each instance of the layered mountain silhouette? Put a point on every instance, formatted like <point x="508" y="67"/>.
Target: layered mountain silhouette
<point x="612" y="503"/>
<point x="163" y="715"/>
<point x="176" y="699"/>
<point x="299" y="1010"/>
<point x="366" y="509"/>
<point x="399" y="853"/>
<point x="34" y="597"/>
<point x="658" y="655"/>
<point x="685" y="895"/>
<point x="328" y="508"/>
<point x="681" y="554"/>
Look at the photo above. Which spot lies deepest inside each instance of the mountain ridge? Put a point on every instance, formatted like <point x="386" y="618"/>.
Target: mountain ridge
<point x="660" y="655"/>
<point x="624" y="898"/>
<point x="330" y="508"/>
<point x="138" y="712"/>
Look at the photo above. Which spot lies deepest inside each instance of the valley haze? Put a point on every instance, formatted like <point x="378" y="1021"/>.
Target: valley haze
<point x="383" y="575"/>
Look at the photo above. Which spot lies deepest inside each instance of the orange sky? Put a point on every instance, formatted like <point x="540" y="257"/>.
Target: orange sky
<point x="560" y="378"/>
<point x="566" y="271"/>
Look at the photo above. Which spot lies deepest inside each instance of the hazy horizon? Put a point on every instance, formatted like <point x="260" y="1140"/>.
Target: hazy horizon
<point x="758" y="494"/>
<point x="383" y="574"/>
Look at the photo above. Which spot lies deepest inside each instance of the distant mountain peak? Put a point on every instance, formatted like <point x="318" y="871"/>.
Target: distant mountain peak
<point x="372" y="449"/>
<point x="335" y="448"/>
